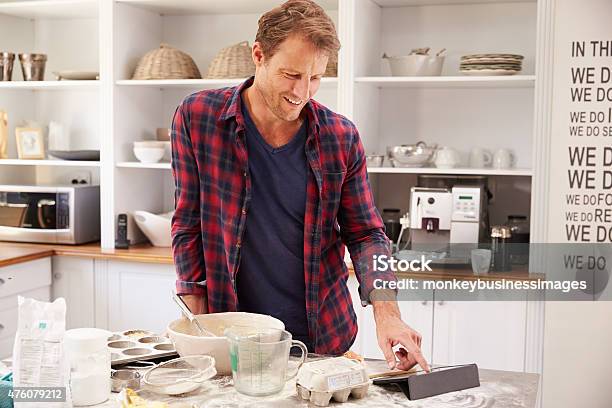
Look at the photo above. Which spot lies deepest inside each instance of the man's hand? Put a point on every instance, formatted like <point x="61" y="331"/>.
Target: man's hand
<point x="196" y="303"/>
<point x="391" y="331"/>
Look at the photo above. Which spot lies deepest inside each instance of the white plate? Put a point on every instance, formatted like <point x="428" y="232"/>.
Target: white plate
<point x="489" y="72"/>
<point x="76" y="75"/>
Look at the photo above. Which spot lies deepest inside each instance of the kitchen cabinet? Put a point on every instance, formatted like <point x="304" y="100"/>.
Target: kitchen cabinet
<point x="28" y="279"/>
<point x="139" y="295"/>
<point x="490" y="333"/>
<point x="73" y="279"/>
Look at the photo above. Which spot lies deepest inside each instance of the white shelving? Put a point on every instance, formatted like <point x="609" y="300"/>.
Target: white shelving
<point x="49" y="162"/>
<point x="513" y="81"/>
<point x="50" y="9"/>
<point x="453" y="171"/>
<point x="49" y="85"/>
<point x="139" y="165"/>
<point x="197" y="83"/>
<point x="191" y="7"/>
<point x="411" y="3"/>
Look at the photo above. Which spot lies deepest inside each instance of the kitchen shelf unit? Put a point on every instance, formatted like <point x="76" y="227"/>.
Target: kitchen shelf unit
<point x="49" y="85"/>
<point x="50" y="162"/>
<point x="67" y="31"/>
<point x="510" y="81"/>
<point x="453" y="171"/>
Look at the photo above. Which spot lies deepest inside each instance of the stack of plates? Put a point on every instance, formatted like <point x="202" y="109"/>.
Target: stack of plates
<point x="491" y="64"/>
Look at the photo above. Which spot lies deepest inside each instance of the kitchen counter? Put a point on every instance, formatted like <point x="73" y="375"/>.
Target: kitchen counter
<point x="497" y="389"/>
<point x="14" y="253"/>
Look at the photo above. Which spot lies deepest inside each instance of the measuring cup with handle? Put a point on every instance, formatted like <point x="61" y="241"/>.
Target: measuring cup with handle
<point x="260" y="359"/>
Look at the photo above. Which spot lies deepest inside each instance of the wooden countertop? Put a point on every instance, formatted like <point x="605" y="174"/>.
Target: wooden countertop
<point x="14" y="253"/>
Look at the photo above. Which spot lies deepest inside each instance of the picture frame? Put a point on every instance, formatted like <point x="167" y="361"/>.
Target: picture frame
<point x="30" y="143"/>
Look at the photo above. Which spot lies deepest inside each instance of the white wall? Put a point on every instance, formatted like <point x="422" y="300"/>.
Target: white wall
<point x="577" y="369"/>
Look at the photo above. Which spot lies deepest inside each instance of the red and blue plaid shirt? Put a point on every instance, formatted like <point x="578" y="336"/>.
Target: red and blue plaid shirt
<point x="213" y="189"/>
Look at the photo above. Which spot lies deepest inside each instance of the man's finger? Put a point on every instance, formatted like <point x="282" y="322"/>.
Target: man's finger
<point x="406" y="360"/>
<point x="388" y="353"/>
<point x="415" y="350"/>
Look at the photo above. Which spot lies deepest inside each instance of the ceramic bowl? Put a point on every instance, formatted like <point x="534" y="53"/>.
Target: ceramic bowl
<point x="187" y="343"/>
<point x="148" y="153"/>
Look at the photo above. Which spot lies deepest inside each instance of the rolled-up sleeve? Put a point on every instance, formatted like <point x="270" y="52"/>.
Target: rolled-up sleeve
<point x="187" y="247"/>
<point x="361" y="226"/>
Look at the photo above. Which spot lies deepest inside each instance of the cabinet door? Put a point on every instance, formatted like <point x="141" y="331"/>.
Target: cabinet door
<point x="73" y="279"/>
<point x="8" y="317"/>
<point x="418" y="314"/>
<point x="140" y="296"/>
<point x="488" y="333"/>
<point x="353" y="286"/>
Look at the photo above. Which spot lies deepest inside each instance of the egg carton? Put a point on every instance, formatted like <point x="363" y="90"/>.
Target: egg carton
<point x="338" y="378"/>
<point x="138" y="345"/>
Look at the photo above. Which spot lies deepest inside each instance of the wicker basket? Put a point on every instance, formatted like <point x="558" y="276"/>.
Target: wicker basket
<point x="232" y="62"/>
<point x="332" y="66"/>
<point x="166" y="63"/>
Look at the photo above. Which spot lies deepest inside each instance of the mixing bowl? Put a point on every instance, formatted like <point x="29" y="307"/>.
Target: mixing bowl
<point x="187" y="343"/>
<point x="416" y="155"/>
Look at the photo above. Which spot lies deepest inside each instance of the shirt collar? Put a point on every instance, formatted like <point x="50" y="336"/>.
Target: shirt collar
<point x="233" y="108"/>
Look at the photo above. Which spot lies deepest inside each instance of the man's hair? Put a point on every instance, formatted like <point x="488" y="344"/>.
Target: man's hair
<point x="297" y="17"/>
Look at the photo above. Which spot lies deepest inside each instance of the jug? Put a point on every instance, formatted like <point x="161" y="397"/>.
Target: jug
<point x="260" y="357"/>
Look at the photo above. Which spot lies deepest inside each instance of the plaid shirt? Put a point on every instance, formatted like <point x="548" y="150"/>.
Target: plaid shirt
<point x="213" y="189"/>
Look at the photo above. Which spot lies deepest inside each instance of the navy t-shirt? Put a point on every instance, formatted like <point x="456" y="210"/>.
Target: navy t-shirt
<point x="271" y="275"/>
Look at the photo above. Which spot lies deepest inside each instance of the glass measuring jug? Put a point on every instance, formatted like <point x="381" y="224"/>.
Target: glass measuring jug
<point x="260" y="358"/>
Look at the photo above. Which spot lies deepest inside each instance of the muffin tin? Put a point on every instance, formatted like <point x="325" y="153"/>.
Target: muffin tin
<point x="138" y="345"/>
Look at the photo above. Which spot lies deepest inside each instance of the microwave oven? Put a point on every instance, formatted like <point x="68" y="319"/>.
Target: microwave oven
<point x="50" y="214"/>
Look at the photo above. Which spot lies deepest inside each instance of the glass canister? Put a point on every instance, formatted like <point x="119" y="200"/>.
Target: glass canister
<point x="519" y="227"/>
<point x="500" y="248"/>
<point x="391" y="218"/>
<point x="90" y="365"/>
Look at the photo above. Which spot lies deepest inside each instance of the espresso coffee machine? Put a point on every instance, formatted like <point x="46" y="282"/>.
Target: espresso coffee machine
<point x="448" y="219"/>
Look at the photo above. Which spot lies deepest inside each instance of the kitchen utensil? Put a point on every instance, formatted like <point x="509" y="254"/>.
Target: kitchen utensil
<point x="7" y="60"/>
<point x="415" y="65"/>
<point x="260" y="358"/>
<point x="503" y="159"/>
<point x="138" y="345"/>
<point x="121" y="379"/>
<point x="446" y="158"/>
<point x="338" y="378"/>
<point x="439" y="381"/>
<point x="33" y="66"/>
<point x="481" y="261"/>
<point x="480" y="158"/>
<point x="201" y="330"/>
<point x="374" y="160"/>
<point x="83" y="155"/>
<point x="187" y="341"/>
<point x="416" y="155"/>
<point x="156" y="227"/>
<point x="149" y="151"/>
<point x="501" y="236"/>
<point x="180" y="375"/>
<point x="76" y="75"/>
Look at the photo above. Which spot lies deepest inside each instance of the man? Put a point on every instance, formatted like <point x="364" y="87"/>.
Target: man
<point x="270" y="186"/>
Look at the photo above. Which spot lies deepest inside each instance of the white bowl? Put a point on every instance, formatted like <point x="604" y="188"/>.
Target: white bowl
<point x="149" y="154"/>
<point x="157" y="227"/>
<point x="415" y="65"/>
<point x="150" y="143"/>
<point x="188" y="343"/>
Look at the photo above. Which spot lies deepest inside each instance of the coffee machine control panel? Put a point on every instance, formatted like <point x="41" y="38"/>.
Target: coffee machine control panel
<point x="466" y="204"/>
